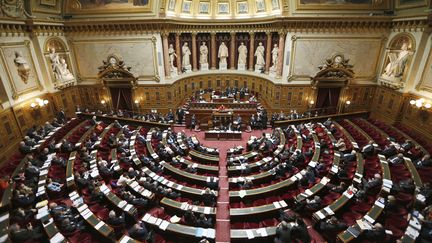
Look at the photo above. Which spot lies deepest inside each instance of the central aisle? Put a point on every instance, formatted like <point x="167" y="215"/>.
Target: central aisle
<point x="223" y="225"/>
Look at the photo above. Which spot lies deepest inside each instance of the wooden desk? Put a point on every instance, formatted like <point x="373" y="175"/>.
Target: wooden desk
<point x="128" y="121"/>
<point x="204" y="168"/>
<point x="4" y="227"/>
<point x="321" y="118"/>
<point x="195" y="192"/>
<point x="223" y="135"/>
<point x="199" y="179"/>
<point x="179" y="229"/>
<point x="118" y="202"/>
<point x="182" y="207"/>
<point x="99" y="226"/>
<point x="242" y="234"/>
<point x="253" y="211"/>
<point x="414" y="173"/>
<point x="204" y="158"/>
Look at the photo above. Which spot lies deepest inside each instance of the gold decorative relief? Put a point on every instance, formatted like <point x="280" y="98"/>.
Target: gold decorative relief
<point x="20" y="68"/>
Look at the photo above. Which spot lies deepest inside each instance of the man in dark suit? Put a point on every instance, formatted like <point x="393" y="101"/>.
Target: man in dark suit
<point x="399" y="159"/>
<point x="425" y="161"/>
<point x="19" y="234"/>
<point x="138" y="232"/>
<point x="24" y="149"/>
<point x="369" y="149"/>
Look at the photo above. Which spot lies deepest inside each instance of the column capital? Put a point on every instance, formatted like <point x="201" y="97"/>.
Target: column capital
<point x="282" y="33"/>
<point x="213" y="33"/>
<point x="178" y="33"/>
<point x="233" y="33"/>
<point x="269" y="33"/>
<point x="165" y="34"/>
<point x="194" y="34"/>
<point x="252" y="34"/>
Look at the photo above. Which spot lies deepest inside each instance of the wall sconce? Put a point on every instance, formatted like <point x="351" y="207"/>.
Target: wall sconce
<point x="103" y="102"/>
<point x="311" y="104"/>
<point x="39" y="103"/>
<point x="347" y="103"/>
<point x="421" y="103"/>
<point x="137" y="103"/>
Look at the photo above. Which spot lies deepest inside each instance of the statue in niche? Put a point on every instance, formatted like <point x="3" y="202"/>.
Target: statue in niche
<point x="172" y="56"/>
<point x="242" y="54"/>
<point x="275" y="55"/>
<point x="22" y="66"/>
<point x="259" y="53"/>
<point x="223" y="53"/>
<point x="203" y="53"/>
<point x="59" y="66"/>
<point x="395" y="68"/>
<point x="62" y="68"/>
<point x="186" y="55"/>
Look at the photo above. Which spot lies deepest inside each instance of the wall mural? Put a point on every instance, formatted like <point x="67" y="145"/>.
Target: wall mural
<point x="410" y="3"/>
<point x="101" y="6"/>
<point x="358" y="50"/>
<point x="342" y="4"/>
<point x="426" y="79"/>
<point x="20" y="68"/>
<point x="140" y="54"/>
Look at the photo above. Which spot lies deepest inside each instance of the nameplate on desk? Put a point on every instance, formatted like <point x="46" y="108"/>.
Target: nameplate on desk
<point x="99" y="225"/>
<point x="277" y="205"/>
<point x="262" y="232"/>
<point x="320" y="215"/>
<point x="369" y="219"/>
<point x="250" y="234"/>
<point x="57" y="238"/>
<point x="242" y="193"/>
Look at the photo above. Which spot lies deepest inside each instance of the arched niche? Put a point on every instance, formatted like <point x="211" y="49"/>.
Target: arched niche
<point x="58" y="61"/>
<point x="397" y="62"/>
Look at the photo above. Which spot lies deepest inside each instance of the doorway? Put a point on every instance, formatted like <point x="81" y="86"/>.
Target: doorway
<point x="327" y="100"/>
<point x="121" y="98"/>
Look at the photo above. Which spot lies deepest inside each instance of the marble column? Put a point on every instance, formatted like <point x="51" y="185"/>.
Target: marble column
<point x="232" y="50"/>
<point x="213" y="52"/>
<point x="251" y="51"/>
<point x="268" y="52"/>
<point x="281" y="54"/>
<point x="194" y="52"/>
<point x="166" y="54"/>
<point x="178" y="52"/>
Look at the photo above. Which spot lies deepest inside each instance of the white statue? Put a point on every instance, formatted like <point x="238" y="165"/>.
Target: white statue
<point x="172" y="56"/>
<point x="259" y="53"/>
<point x="59" y="66"/>
<point x="242" y="54"/>
<point x="23" y="67"/>
<point x="203" y="53"/>
<point x="395" y="68"/>
<point x="223" y="53"/>
<point x="186" y="55"/>
<point x="55" y="59"/>
<point x="275" y="55"/>
<point x="62" y="68"/>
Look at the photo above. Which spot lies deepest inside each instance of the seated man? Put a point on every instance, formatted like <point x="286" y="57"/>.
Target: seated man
<point x="138" y="232"/>
<point x="389" y="151"/>
<point x="369" y="149"/>
<point x="425" y="161"/>
<point x="399" y="159"/>
<point x="115" y="219"/>
<point x="372" y="183"/>
<point x="25" y="149"/>
<point x="19" y="234"/>
<point x="66" y="146"/>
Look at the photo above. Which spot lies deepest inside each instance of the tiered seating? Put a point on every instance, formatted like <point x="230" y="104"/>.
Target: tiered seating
<point x="259" y="194"/>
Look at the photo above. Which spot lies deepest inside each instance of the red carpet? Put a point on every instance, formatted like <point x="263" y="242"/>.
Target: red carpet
<point x="223" y="225"/>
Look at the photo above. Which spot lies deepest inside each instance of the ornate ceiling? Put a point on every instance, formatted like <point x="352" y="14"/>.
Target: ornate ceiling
<point x="223" y="9"/>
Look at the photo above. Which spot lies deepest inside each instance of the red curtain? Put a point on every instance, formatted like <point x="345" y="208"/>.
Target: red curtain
<point x="328" y="99"/>
<point x="121" y="98"/>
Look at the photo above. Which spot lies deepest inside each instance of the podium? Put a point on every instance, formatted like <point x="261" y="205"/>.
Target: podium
<point x="222" y="117"/>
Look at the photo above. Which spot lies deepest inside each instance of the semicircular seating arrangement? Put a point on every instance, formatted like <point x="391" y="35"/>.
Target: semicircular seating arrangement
<point x="343" y="180"/>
